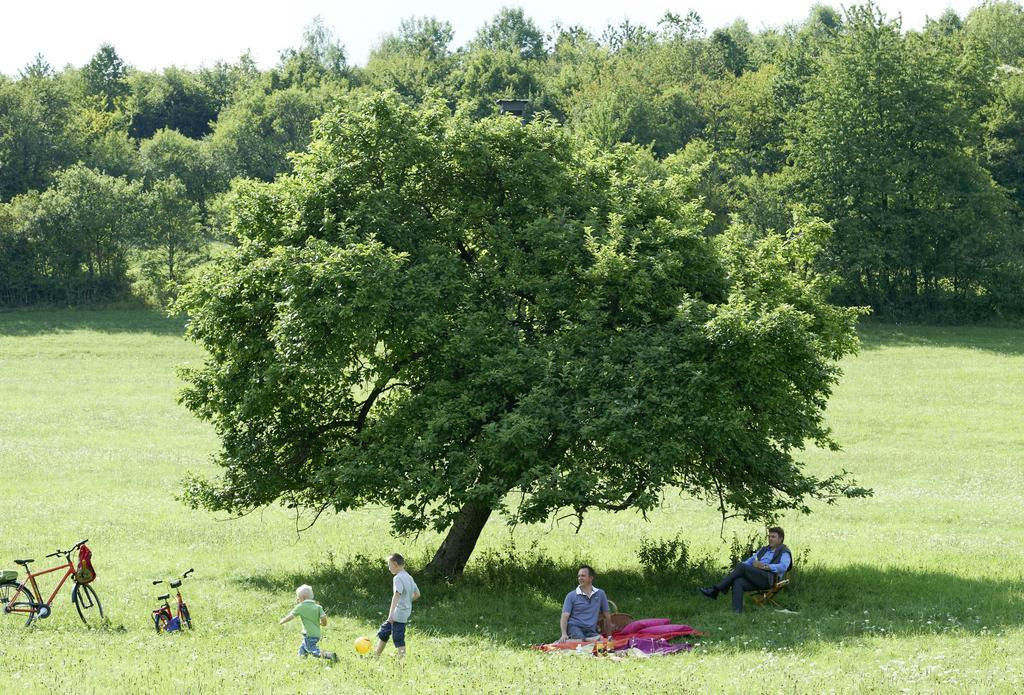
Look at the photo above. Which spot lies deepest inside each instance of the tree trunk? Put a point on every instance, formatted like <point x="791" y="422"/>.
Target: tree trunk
<point x="451" y="558"/>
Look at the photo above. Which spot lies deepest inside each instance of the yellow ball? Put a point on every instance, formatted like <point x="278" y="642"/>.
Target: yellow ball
<point x="363" y="645"/>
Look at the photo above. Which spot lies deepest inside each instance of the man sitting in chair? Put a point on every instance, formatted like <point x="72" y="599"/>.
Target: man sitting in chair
<point x="759" y="571"/>
<point x="584" y="609"/>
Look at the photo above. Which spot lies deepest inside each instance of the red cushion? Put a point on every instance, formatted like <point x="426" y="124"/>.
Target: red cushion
<point x="662" y="629"/>
<point x="638" y="625"/>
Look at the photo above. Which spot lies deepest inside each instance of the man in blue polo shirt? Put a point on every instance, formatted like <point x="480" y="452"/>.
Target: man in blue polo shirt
<point x="582" y="608"/>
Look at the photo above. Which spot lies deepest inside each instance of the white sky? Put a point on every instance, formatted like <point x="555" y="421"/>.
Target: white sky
<point x="189" y="33"/>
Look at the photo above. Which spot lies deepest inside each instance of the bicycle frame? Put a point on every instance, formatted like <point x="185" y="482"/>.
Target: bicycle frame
<point x="166" y="608"/>
<point x="69" y="571"/>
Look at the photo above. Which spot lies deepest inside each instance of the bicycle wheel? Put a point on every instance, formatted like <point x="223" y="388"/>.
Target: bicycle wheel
<point x="185" y="616"/>
<point x="160" y="621"/>
<point x="87" y="603"/>
<point x="24" y="600"/>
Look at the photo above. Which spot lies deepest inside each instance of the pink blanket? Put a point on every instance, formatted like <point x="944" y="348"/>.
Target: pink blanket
<point x="652" y="630"/>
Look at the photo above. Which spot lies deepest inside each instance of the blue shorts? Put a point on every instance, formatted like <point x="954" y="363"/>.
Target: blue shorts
<point x="395" y="630"/>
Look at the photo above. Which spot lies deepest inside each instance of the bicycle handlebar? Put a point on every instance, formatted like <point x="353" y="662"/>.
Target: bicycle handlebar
<point x="183" y="576"/>
<point x="74" y="548"/>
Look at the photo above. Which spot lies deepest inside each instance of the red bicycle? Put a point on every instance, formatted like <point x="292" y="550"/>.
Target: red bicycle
<point x="24" y="597"/>
<point x="163" y="620"/>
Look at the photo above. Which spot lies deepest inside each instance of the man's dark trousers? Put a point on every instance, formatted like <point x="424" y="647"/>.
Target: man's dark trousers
<point x="744" y="578"/>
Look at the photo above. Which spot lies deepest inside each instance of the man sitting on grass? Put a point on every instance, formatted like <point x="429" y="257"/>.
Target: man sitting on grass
<point x="582" y="608"/>
<point x="759" y="571"/>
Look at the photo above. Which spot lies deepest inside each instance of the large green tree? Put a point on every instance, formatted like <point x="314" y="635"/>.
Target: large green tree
<point x="79" y="233"/>
<point x="887" y="145"/>
<point x="253" y="136"/>
<point x="170" y="154"/>
<point x="100" y="138"/>
<point x="318" y="61"/>
<point x="511" y="30"/>
<point x="414" y="61"/>
<point x="172" y="242"/>
<point x="999" y="25"/>
<point x="453" y="317"/>
<point x="33" y="115"/>
<point x="1004" y="141"/>
<point x="175" y="99"/>
<point x="105" y="74"/>
<point x="646" y="91"/>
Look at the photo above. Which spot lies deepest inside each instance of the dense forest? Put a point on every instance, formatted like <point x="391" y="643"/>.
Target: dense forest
<point x="116" y="182"/>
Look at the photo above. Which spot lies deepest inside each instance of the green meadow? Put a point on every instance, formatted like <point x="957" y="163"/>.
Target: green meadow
<point x="916" y="589"/>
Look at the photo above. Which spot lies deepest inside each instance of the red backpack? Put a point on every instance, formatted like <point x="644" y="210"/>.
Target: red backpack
<point x="85" y="573"/>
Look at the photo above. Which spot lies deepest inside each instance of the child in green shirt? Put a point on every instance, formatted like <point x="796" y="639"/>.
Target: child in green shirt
<point x="313" y="617"/>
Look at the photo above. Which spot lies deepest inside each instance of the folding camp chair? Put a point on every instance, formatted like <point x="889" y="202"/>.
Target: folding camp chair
<point x="766" y="596"/>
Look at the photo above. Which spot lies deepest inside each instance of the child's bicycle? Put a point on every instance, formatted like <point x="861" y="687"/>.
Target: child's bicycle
<point x="24" y="597"/>
<point x="163" y="619"/>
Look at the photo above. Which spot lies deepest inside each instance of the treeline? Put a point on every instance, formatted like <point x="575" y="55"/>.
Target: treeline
<point x="116" y="181"/>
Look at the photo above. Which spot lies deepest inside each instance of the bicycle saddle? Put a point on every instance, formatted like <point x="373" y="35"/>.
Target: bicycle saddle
<point x="23" y="562"/>
<point x="163" y="598"/>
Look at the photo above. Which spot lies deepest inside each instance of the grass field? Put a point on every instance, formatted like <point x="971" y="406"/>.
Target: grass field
<point x="916" y="589"/>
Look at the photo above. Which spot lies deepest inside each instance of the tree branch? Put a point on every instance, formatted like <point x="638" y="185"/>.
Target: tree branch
<point x="465" y="253"/>
<point x="308" y="526"/>
<point x="383" y="384"/>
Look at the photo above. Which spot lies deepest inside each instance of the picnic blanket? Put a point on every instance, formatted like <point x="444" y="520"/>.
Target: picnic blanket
<point x="623" y="646"/>
<point x="654" y="635"/>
